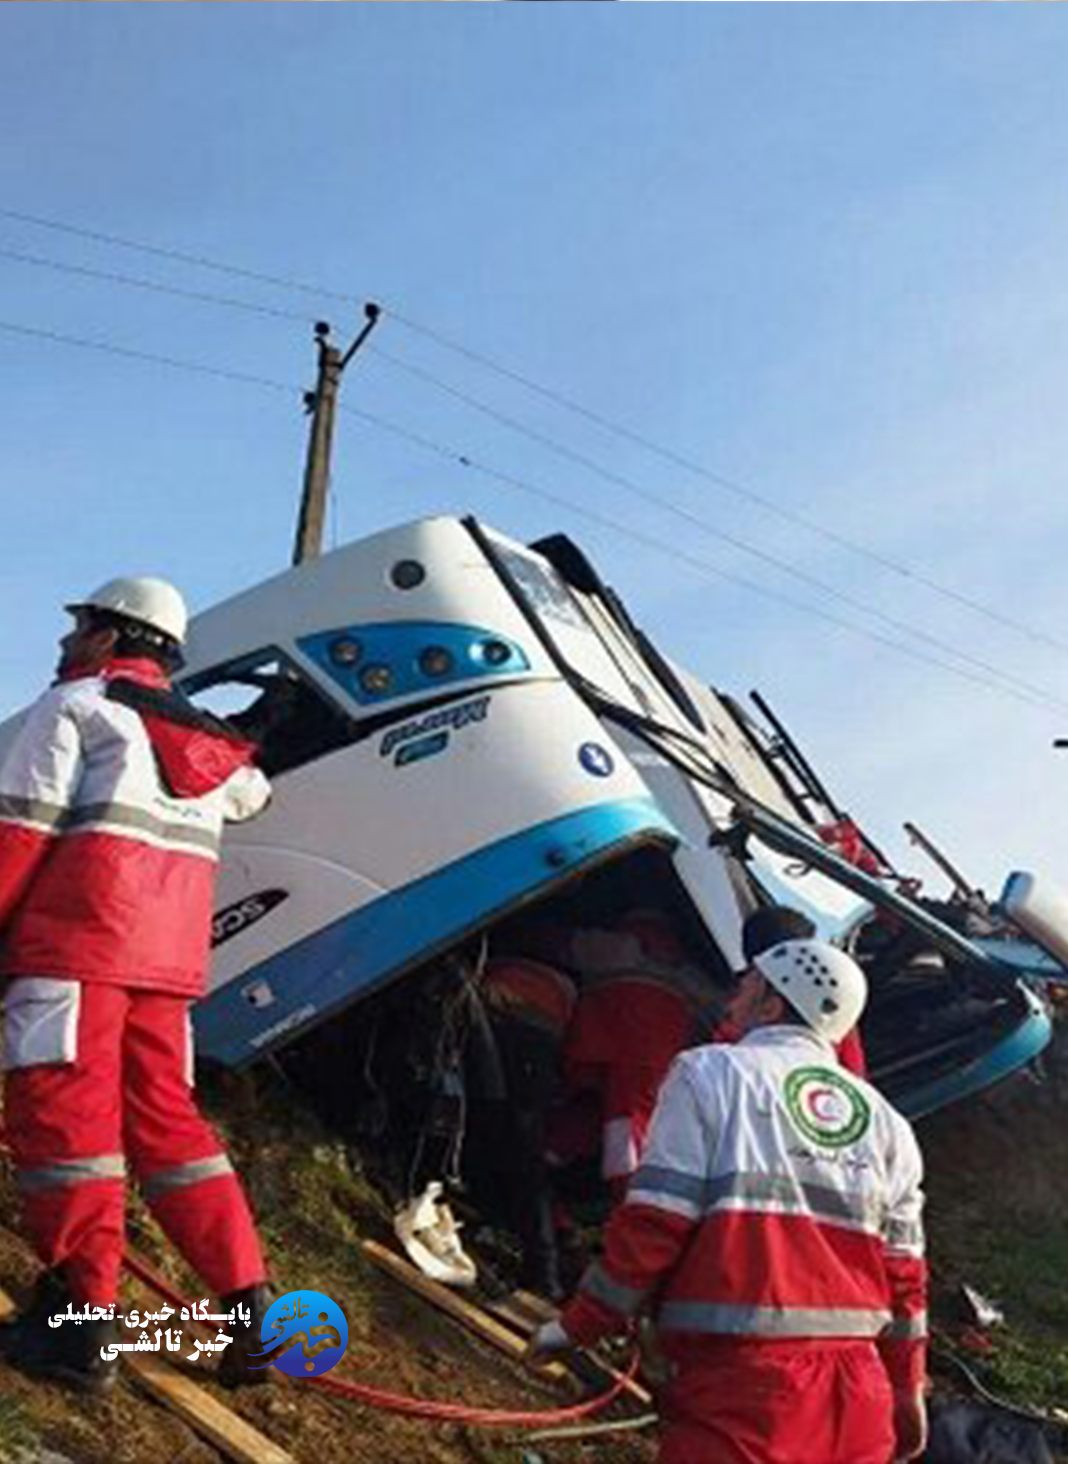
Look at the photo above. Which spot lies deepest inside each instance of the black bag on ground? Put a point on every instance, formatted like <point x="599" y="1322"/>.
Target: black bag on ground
<point x="971" y="1433"/>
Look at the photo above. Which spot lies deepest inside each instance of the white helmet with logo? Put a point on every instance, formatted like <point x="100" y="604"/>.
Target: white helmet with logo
<point x="152" y="602"/>
<point x="824" y="986"/>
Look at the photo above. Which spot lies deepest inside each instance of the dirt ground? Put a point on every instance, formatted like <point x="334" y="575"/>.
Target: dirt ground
<point x="312" y="1211"/>
<point x="998" y="1219"/>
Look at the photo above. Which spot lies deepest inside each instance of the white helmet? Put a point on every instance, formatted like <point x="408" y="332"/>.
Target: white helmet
<point x="824" y="986"/>
<point x="152" y="602"/>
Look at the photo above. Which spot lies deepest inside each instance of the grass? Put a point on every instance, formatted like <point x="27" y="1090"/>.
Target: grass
<point x="1020" y="1266"/>
<point x="16" y="1428"/>
<point x="998" y="1219"/>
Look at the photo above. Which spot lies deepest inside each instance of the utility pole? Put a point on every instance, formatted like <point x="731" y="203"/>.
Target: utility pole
<point x="321" y="405"/>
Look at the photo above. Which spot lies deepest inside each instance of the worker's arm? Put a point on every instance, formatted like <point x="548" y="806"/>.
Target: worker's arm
<point x="903" y="1345"/>
<point x="38" y="775"/>
<point x="650" y="1230"/>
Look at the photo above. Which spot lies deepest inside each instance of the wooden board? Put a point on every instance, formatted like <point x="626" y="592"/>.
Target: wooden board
<point x="212" y="1420"/>
<point x="495" y="1332"/>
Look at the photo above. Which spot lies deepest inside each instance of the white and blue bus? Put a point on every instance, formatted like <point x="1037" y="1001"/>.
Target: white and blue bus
<point x="462" y="730"/>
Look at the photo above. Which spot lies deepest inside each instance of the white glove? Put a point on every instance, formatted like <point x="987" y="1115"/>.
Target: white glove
<point x="547" y="1341"/>
<point x="246" y="793"/>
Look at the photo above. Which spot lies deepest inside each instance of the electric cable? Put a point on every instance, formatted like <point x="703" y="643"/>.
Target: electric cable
<point x="198" y="261"/>
<point x="558" y="398"/>
<point x="542" y="439"/>
<point x="696" y="521"/>
<point x="1036" y="698"/>
<point x="138" y="282"/>
<point x="200" y="368"/>
<point x="730" y="485"/>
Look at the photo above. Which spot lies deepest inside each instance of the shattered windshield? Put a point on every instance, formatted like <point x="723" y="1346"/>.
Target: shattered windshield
<point x="787" y="839"/>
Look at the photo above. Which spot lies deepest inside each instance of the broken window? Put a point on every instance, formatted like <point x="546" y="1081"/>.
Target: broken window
<point x="270" y="701"/>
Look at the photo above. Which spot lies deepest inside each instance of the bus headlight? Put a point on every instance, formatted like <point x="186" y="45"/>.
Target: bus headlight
<point x="495" y="652"/>
<point x="376" y="680"/>
<point x="435" y="661"/>
<point x="345" y="651"/>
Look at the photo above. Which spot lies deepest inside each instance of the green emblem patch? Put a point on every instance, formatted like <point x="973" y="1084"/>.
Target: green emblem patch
<point x="825" y="1107"/>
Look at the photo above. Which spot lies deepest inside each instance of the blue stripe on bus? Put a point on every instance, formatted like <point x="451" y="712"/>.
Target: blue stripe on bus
<point x="1012" y="1052"/>
<point x="358" y="952"/>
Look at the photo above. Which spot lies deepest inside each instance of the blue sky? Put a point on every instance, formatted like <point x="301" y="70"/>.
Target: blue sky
<point x="823" y="253"/>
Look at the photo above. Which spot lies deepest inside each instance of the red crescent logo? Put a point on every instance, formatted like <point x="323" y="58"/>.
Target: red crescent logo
<point x="822" y="1104"/>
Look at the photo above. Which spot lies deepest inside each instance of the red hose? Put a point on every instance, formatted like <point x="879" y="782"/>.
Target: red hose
<point x="419" y="1407"/>
<point x="394" y="1402"/>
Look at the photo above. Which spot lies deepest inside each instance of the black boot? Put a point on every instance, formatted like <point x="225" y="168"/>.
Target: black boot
<point x="233" y="1370"/>
<point x="71" y="1352"/>
<point x="541" y="1259"/>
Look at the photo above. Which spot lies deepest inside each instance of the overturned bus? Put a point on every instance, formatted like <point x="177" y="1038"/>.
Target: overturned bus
<point x="466" y="734"/>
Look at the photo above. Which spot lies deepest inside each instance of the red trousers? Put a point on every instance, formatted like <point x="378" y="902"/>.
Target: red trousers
<point x="126" y="1094"/>
<point x="737" y="1401"/>
<point x="623" y="1037"/>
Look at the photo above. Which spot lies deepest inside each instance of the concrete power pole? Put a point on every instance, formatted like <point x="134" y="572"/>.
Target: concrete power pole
<point x="322" y="403"/>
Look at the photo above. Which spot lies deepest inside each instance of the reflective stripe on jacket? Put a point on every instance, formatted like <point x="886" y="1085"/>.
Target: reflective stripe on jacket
<point x="106" y="871"/>
<point x="778" y="1197"/>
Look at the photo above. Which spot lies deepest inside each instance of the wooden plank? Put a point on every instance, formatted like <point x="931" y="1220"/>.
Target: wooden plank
<point x="465" y="1312"/>
<point x="226" y="1430"/>
<point x="223" y="1428"/>
<point x="505" y="1308"/>
<point x="537" y="1306"/>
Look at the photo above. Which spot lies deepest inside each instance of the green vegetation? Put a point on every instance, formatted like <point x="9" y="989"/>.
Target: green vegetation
<point x="1020" y="1266"/>
<point x="16" y="1429"/>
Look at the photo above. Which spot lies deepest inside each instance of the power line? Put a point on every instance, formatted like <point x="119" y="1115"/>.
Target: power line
<point x="731" y="485"/>
<point x="1038" y="698"/>
<point x="199" y="261"/>
<point x="570" y="454"/>
<point x="201" y="368"/>
<point x="559" y="399"/>
<point x="138" y="282"/>
<point x="696" y="521"/>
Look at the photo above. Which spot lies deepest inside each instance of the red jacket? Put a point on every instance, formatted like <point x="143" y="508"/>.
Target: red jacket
<point x="112" y="798"/>
<point x="778" y="1198"/>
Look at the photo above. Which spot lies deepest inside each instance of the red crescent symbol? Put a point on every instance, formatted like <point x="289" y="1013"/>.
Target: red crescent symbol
<point x="822" y="1104"/>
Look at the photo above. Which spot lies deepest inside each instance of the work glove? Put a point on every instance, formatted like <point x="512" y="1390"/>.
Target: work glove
<point x="910" y="1424"/>
<point x="547" y="1342"/>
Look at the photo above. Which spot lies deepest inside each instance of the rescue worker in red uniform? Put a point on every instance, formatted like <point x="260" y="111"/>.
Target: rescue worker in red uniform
<point x="640" y="1003"/>
<point x="775" y="1225"/>
<point x="113" y="791"/>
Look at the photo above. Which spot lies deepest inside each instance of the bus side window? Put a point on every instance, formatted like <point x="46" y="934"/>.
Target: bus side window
<point x="269" y="701"/>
